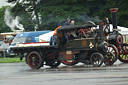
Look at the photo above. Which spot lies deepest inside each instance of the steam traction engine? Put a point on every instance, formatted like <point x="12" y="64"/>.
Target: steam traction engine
<point x="88" y="48"/>
<point x="115" y="39"/>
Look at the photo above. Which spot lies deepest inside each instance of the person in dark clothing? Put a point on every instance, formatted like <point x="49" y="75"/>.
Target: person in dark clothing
<point x="67" y="22"/>
<point x="53" y="39"/>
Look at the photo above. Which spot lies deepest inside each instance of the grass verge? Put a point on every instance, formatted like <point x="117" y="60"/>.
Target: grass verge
<point x="11" y="60"/>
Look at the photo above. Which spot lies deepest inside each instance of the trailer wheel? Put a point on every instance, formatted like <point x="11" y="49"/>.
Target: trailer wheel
<point x="34" y="60"/>
<point x="109" y="59"/>
<point x="54" y="63"/>
<point x="69" y="62"/>
<point x="97" y="59"/>
<point x="123" y="55"/>
<point x="52" y="59"/>
<point x="113" y="49"/>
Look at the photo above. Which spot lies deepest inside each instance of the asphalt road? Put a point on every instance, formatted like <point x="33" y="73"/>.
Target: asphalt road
<point x="22" y="74"/>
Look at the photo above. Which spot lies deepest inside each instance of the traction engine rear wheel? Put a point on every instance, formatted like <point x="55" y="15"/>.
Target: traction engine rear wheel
<point x="35" y="60"/>
<point x="123" y="55"/>
<point x="97" y="59"/>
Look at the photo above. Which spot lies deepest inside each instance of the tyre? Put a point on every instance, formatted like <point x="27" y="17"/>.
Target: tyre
<point x="54" y="63"/>
<point x="52" y="59"/>
<point x="113" y="49"/>
<point x="123" y="55"/>
<point x="97" y="59"/>
<point x="109" y="59"/>
<point x="34" y="60"/>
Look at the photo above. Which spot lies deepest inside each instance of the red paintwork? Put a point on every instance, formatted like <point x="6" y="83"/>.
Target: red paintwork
<point x="114" y="9"/>
<point x="68" y="56"/>
<point x="35" y="42"/>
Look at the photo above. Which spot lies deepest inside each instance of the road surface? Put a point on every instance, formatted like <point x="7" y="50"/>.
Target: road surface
<point x="22" y="74"/>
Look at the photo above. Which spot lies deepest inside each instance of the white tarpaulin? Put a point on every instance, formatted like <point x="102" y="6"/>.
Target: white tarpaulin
<point x="122" y="30"/>
<point x="46" y="37"/>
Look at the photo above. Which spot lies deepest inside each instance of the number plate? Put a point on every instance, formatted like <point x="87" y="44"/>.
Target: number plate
<point x="68" y="52"/>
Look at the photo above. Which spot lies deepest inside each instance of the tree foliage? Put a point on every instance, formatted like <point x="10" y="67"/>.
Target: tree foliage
<point x="3" y="26"/>
<point x="50" y="13"/>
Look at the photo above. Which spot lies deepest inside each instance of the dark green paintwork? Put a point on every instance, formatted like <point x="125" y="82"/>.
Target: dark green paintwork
<point x="77" y="43"/>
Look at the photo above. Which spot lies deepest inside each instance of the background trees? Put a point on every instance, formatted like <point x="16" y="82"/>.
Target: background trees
<point x="3" y="26"/>
<point x="47" y="14"/>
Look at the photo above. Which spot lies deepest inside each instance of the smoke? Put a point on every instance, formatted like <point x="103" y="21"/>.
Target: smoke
<point x="88" y="18"/>
<point x="12" y="22"/>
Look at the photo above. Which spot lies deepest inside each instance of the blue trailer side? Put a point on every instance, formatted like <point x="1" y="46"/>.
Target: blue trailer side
<point x="26" y="37"/>
<point x="29" y="36"/>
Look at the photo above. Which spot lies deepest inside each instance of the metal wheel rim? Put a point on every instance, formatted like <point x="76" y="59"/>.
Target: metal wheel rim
<point x="123" y="56"/>
<point x="96" y="59"/>
<point x="113" y="49"/>
<point x="109" y="59"/>
<point x="33" y="60"/>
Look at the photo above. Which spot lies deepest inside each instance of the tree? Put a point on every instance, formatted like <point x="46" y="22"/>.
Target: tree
<point x="103" y="10"/>
<point x="29" y="6"/>
<point x="50" y="13"/>
<point x="3" y="26"/>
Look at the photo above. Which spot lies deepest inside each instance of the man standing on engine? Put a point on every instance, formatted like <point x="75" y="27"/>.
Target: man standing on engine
<point x="67" y="22"/>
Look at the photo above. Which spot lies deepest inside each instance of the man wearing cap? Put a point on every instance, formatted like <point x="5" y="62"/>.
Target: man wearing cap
<point x="67" y="22"/>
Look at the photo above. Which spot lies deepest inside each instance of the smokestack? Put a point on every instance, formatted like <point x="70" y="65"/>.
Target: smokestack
<point x="101" y="31"/>
<point x="114" y="17"/>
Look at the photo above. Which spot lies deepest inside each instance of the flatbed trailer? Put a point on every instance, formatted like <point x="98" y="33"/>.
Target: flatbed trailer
<point x="28" y="48"/>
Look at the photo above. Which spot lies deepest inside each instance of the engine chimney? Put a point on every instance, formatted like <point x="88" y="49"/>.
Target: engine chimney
<point x="101" y="31"/>
<point x="114" y="18"/>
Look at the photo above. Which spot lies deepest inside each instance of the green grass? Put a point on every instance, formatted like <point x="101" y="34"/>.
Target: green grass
<point x="11" y="60"/>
